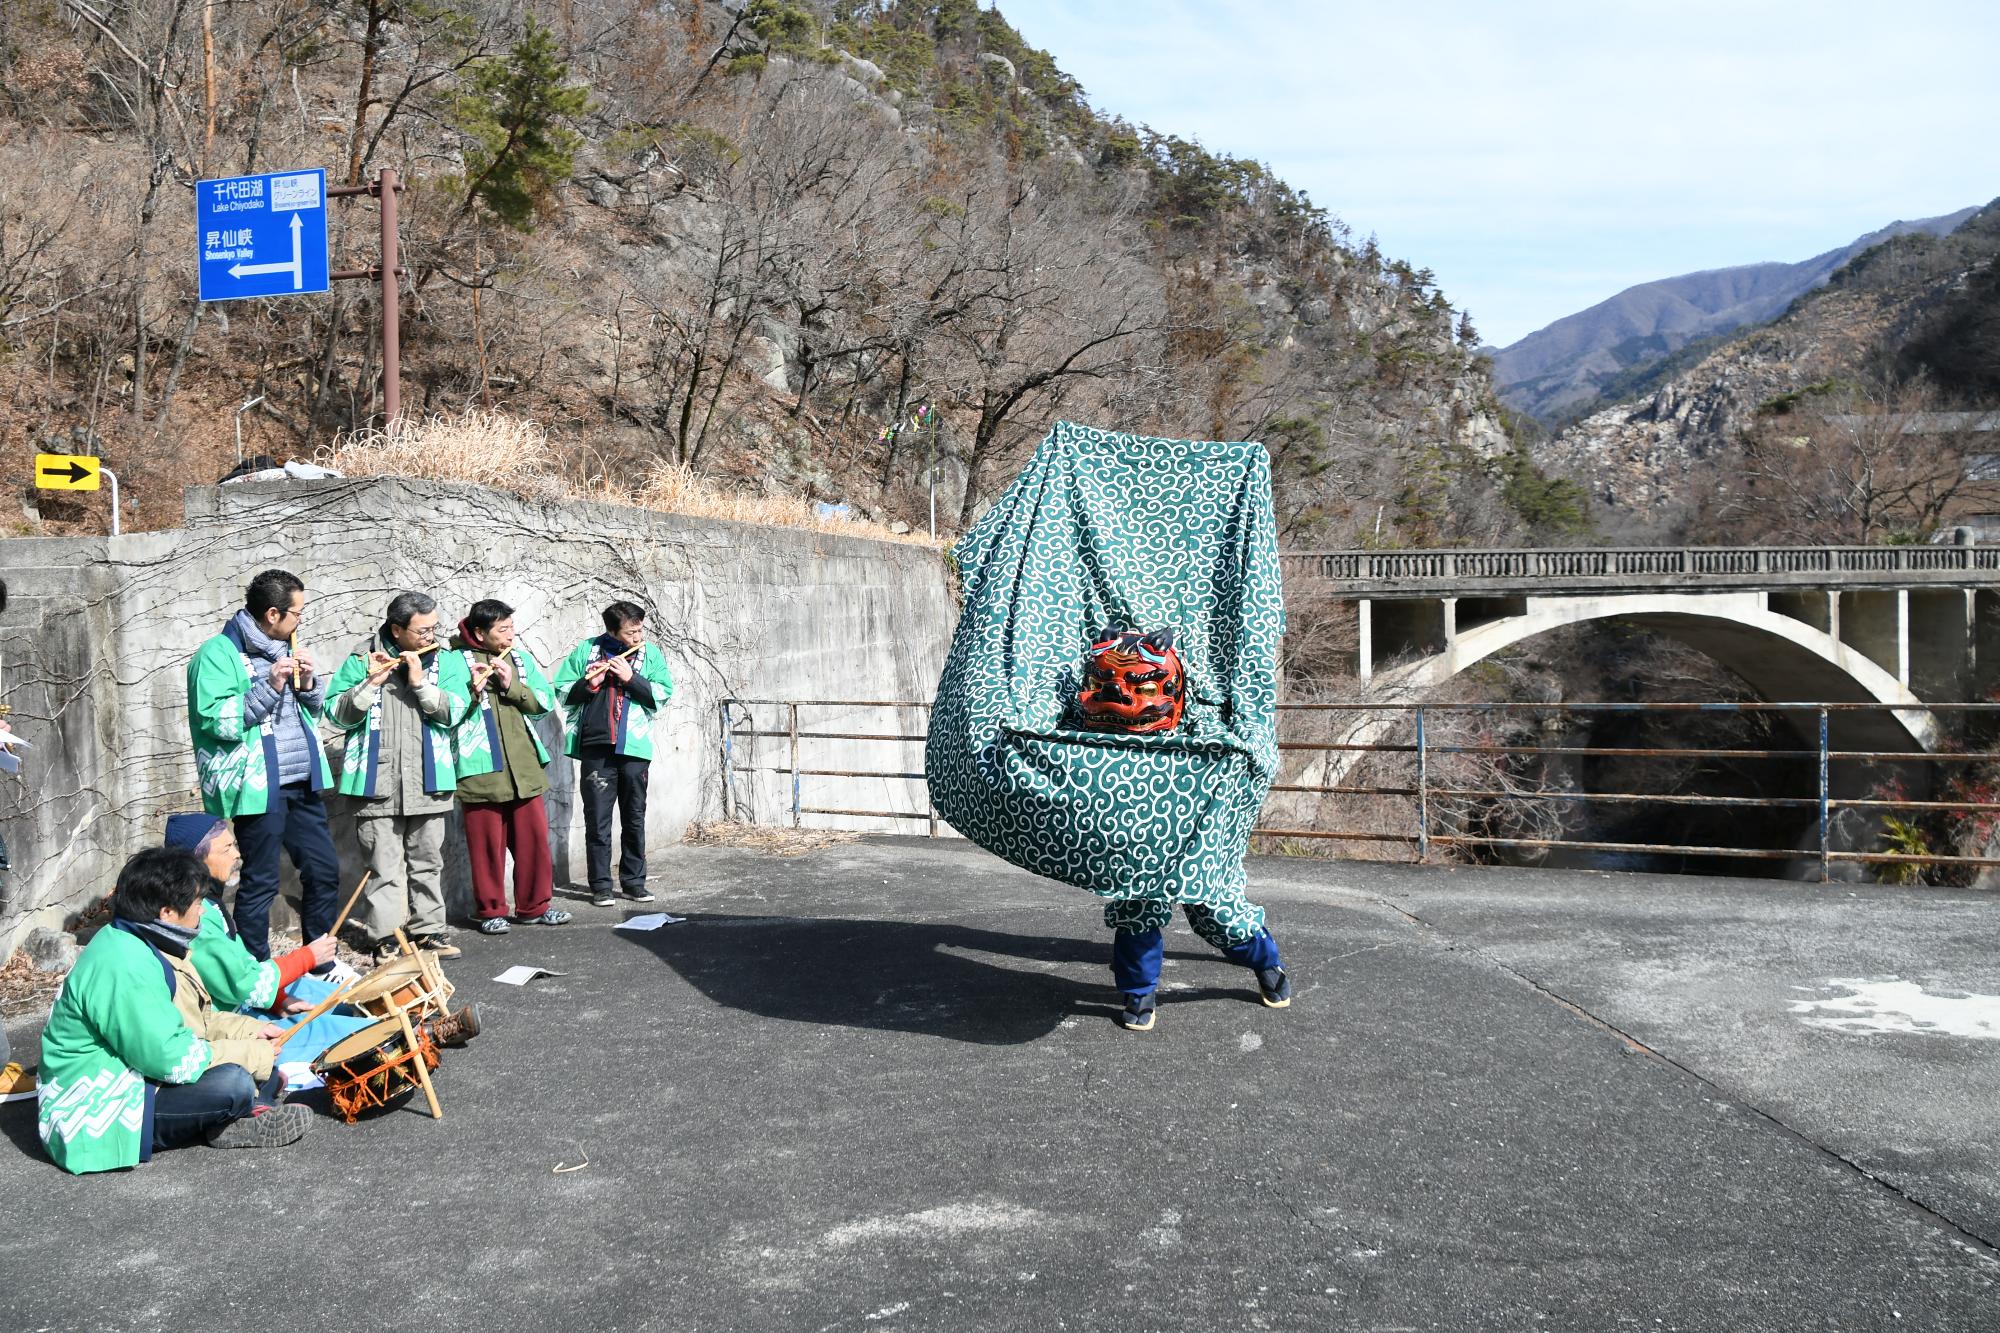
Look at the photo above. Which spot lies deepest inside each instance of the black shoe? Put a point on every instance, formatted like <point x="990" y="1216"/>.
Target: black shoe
<point x="639" y="895"/>
<point x="1274" y="986"/>
<point x="601" y="898"/>
<point x="273" y="1128"/>
<point x="1137" y="1016"/>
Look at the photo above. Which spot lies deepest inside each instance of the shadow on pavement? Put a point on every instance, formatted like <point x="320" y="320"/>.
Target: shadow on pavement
<point x="980" y="986"/>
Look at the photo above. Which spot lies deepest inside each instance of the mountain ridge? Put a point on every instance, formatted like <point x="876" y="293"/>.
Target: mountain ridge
<point x="1560" y="370"/>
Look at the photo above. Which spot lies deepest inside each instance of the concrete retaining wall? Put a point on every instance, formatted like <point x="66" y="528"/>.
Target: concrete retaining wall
<point x="96" y="638"/>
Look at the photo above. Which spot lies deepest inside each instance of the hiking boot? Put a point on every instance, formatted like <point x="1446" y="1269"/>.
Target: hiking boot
<point x="454" y="1029"/>
<point x="555" y="916"/>
<point x="1274" y="987"/>
<point x="641" y="894"/>
<point x="14" y="1079"/>
<point x="1137" y="1016"/>
<point x="439" y="944"/>
<point x="267" y="1127"/>
<point x="494" y="925"/>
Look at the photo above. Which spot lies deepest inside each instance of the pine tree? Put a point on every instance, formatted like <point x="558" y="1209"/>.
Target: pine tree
<point x="515" y="112"/>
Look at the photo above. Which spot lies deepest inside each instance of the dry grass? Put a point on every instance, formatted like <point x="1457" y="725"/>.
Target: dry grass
<point x="23" y="990"/>
<point x="516" y="455"/>
<point x="774" y="841"/>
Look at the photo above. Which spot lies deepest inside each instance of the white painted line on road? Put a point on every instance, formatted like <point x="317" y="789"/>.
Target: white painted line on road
<point x="1901" y="1006"/>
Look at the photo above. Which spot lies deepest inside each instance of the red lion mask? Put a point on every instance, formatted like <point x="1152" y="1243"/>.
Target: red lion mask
<point x="1132" y="682"/>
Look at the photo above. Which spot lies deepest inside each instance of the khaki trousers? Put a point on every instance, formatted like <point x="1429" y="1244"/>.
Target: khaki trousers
<point x="406" y="855"/>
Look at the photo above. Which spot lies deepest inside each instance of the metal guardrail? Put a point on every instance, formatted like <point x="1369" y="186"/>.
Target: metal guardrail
<point x="739" y="730"/>
<point x="1681" y="562"/>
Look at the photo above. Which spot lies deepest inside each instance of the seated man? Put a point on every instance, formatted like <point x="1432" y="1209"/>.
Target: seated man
<point x="288" y="984"/>
<point x="136" y="1057"/>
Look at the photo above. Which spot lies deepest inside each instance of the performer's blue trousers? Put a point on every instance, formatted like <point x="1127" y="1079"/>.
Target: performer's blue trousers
<point x="1136" y="956"/>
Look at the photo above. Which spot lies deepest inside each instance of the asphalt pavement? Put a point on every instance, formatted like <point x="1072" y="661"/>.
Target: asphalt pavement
<point x="879" y="1087"/>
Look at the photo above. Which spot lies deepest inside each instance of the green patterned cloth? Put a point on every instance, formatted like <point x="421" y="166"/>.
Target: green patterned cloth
<point x="1104" y="529"/>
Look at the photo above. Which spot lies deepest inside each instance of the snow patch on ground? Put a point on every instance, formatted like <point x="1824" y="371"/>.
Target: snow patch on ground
<point x="1901" y="1006"/>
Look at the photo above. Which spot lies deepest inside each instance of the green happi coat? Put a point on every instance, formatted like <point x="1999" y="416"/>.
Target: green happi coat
<point x="114" y="1025"/>
<point x="361" y="755"/>
<point x="635" y="733"/>
<point x="476" y="739"/>
<point x="237" y="763"/>
<point x="232" y="976"/>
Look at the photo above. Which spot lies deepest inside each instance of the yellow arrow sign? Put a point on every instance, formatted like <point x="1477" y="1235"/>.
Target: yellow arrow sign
<point x="68" y="472"/>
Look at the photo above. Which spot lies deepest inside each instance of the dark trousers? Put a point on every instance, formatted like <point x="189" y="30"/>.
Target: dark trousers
<point x="606" y="778"/>
<point x="492" y="830"/>
<point x="294" y="823"/>
<point x="186" y="1113"/>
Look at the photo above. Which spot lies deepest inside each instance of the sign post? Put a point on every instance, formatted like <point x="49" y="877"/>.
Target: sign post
<point x="267" y="236"/>
<point x="262" y="235"/>
<point x="76" y="472"/>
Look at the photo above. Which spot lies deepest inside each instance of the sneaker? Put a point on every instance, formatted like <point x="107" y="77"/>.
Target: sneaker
<point x="386" y="951"/>
<point x="270" y="1127"/>
<point x="555" y="916"/>
<point x="439" y="944"/>
<point x="1274" y="986"/>
<point x="454" y="1029"/>
<point x="15" y="1080"/>
<point x="1137" y="1015"/>
<point x="494" y="925"/>
<point x="601" y="898"/>
<point x="639" y="895"/>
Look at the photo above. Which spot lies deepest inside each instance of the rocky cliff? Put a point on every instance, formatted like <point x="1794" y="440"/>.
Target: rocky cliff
<point x="1647" y="463"/>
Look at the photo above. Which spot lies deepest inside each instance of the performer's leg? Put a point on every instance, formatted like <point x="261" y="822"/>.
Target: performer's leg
<point x="387" y="908"/>
<point x="632" y="779"/>
<point x="1136" y="952"/>
<point x="261" y="840"/>
<point x="1236" y="926"/>
<point x="486" y="856"/>
<point x="534" y="870"/>
<point x="189" y="1112"/>
<point x="423" y="853"/>
<point x="310" y="842"/>
<point x="597" y="792"/>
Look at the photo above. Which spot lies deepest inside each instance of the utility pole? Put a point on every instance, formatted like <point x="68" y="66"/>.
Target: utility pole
<point x="387" y="271"/>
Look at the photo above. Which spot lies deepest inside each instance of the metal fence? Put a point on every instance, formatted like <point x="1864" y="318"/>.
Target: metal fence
<point x="747" y="722"/>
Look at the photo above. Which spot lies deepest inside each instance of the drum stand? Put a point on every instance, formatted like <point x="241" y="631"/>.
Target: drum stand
<point x="420" y="1065"/>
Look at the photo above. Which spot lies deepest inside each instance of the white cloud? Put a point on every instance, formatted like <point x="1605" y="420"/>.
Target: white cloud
<point x="1542" y="156"/>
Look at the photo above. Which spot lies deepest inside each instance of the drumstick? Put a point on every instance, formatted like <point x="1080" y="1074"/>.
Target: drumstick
<point x="338" y="995"/>
<point x="353" y="898"/>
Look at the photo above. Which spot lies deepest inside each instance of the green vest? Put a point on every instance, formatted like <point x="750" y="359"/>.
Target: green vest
<point x="93" y="1108"/>
<point x="361" y="755"/>
<point x="476" y="740"/>
<point x="635" y="737"/>
<point x="236" y="763"/>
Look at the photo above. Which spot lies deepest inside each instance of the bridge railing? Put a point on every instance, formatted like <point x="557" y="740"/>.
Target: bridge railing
<point x="1458" y="780"/>
<point x="1623" y="562"/>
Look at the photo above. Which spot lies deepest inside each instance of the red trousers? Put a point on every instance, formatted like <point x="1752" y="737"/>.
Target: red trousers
<point x="492" y="830"/>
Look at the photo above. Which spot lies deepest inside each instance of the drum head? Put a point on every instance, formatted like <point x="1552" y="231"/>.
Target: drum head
<point x="391" y="976"/>
<point x="358" y="1043"/>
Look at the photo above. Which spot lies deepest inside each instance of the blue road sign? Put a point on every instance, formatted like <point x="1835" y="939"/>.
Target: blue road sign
<point x="262" y="235"/>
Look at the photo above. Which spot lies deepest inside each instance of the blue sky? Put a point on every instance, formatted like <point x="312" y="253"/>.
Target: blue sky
<point x="1543" y="156"/>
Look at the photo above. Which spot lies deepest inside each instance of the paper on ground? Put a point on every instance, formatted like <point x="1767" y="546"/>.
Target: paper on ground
<point x="650" y="921"/>
<point x="521" y="974"/>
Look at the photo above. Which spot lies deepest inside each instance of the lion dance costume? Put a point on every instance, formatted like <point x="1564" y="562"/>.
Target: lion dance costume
<point x="1106" y="715"/>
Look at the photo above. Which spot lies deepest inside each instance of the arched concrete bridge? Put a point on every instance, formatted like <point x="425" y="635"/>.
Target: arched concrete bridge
<point x="1898" y="625"/>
